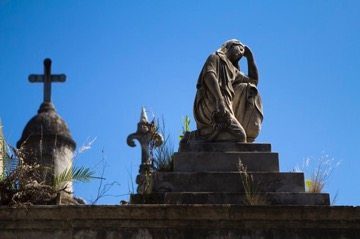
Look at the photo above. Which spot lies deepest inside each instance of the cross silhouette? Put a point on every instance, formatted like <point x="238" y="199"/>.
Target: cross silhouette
<point x="47" y="79"/>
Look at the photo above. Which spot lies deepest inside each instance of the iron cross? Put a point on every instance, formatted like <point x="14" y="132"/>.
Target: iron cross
<point x="47" y="79"/>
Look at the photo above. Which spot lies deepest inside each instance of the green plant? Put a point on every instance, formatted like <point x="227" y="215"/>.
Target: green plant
<point x="185" y="126"/>
<point x="81" y="174"/>
<point x="252" y="195"/>
<point x="74" y="173"/>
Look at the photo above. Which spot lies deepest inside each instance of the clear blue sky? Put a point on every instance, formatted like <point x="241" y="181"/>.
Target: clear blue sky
<point x="121" y="55"/>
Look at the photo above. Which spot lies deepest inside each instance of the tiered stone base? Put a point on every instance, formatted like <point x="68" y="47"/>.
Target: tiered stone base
<point x="209" y="173"/>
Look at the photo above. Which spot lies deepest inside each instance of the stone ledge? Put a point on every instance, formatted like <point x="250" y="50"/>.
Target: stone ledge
<point x="180" y="222"/>
<point x="186" y="212"/>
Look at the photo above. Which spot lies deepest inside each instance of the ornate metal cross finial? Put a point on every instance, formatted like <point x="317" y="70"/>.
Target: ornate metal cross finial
<point x="147" y="136"/>
<point x="47" y="79"/>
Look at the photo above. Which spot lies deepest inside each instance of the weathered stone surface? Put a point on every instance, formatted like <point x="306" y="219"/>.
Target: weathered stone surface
<point x="226" y="182"/>
<point x="47" y="125"/>
<point x="270" y="198"/>
<point x="225" y="162"/>
<point x="180" y="222"/>
<point x="201" y="146"/>
<point x="209" y="173"/>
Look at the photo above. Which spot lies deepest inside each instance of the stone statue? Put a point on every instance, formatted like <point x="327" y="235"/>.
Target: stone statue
<point x="227" y="104"/>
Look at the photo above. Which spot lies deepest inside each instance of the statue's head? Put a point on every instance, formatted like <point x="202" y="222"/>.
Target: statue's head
<point x="233" y="49"/>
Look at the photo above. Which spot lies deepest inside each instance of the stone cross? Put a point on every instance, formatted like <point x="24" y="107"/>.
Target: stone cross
<point x="47" y="79"/>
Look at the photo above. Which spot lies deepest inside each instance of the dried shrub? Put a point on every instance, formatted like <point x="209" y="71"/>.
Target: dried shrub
<point x="23" y="184"/>
<point x="21" y="187"/>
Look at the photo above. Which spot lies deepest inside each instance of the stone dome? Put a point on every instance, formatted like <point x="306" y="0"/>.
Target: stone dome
<point x="47" y="123"/>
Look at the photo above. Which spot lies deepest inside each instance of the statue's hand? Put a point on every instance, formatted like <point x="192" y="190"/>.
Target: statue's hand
<point x="247" y="52"/>
<point x="221" y="120"/>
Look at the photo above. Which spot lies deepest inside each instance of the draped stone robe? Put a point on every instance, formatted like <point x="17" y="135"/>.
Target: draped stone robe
<point x="241" y="97"/>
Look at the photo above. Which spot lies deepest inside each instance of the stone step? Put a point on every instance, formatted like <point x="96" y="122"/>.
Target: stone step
<point x="270" y="198"/>
<point x="199" y="146"/>
<point x="227" y="182"/>
<point x="225" y="162"/>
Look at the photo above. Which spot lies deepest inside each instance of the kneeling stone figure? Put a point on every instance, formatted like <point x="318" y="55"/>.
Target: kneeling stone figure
<point x="227" y="105"/>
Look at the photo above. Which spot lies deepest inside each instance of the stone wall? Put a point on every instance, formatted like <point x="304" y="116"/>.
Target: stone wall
<point x="180" y="221"/>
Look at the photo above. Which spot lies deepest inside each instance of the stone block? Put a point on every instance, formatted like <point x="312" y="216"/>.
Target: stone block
<point x="199" y="146"/>
<point x="270" y="198"/>
<point x="227" y="182"/>
<point x="225" y="162"/>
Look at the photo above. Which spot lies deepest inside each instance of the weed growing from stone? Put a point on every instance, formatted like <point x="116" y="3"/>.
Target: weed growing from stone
<point x="185" y="127"/>
<point x="163" y="154"/>
<point x="317" y="172"/>
<point x="252" y="195"/>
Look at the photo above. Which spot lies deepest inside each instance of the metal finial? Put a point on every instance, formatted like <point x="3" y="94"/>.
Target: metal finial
<point x="148" y="138"/>
<point x="143" y="115"/>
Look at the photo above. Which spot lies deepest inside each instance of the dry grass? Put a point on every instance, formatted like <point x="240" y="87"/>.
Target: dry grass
<point x="163" y="154"/>
<point x="252" y="195"/>
<point x="317" y="172"/>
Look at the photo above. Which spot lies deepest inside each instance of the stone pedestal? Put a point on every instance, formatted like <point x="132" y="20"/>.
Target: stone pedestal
<point x="209" y="173"/>
<point x="46" y="140"/>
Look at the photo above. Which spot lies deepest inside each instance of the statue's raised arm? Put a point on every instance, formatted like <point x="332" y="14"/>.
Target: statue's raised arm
<point x="227" y="104"/>
<point x="252" y="68"/>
